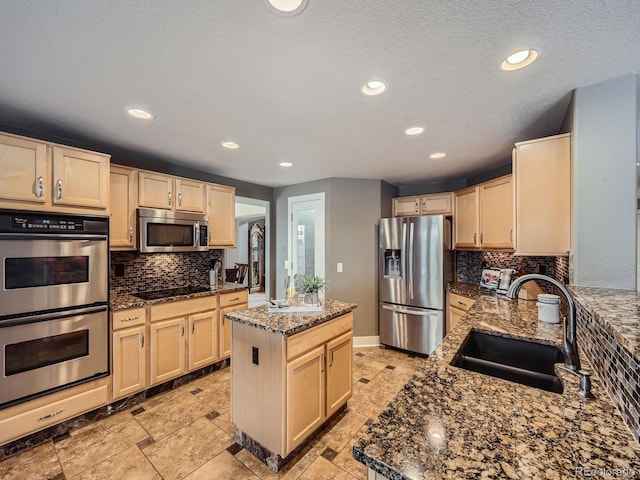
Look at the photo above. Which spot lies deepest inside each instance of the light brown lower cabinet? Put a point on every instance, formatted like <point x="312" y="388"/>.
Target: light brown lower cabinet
<point x="129" y="361"/>
<point x="458" y="306"/>
<point x="203" y="341"/>
<point x="300" y="381"/>
<point x="167" y="350"/>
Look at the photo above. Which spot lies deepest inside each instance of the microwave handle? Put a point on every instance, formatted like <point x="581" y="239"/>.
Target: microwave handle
<point x="196" y="227"/>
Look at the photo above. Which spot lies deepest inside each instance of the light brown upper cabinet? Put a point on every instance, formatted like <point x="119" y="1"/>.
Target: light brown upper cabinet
<point x="484" y="216"/>
<point x="432" y="204"/>
<point x="41" y="176"/>
<point x="466" y="223"/>
<point x="542" y="172"/>
<point x="157" y="190"/>
<point x="123" y="193"/>
<point x="221" y="209"/>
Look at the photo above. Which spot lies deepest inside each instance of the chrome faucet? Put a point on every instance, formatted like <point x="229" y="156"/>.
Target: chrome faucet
<point x="569" y="341"/>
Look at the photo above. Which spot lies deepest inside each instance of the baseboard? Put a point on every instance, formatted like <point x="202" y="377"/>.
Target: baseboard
<point x="373" y="341"/>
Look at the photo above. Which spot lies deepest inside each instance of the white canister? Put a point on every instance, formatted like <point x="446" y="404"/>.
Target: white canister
<point x="548" y="308"/>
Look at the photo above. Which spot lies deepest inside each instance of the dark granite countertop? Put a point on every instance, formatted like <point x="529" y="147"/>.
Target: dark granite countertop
<point x="290" y="323"/>
<point x="122" y="301"/>
<point x="447" y="422"/>
<point x="469" y="290"/>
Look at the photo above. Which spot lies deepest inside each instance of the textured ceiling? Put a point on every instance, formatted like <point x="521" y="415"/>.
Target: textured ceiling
<point x="287" y="88"/>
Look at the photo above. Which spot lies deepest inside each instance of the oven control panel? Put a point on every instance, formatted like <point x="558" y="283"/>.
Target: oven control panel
<point x="16" y="222"/>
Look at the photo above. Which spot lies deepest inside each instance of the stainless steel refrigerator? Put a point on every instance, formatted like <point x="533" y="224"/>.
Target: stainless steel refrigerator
<point x="415" y="263"/>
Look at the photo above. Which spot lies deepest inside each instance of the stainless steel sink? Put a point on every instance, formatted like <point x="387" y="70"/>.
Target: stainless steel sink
<point x="518" y="361"/>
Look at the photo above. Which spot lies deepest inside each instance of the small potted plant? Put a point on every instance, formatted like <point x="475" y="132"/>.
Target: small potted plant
<point x="310" y="286"/>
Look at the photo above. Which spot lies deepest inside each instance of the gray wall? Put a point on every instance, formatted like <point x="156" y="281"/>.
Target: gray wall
<point x="604" y="199"/>
<point x="352" y="209"/>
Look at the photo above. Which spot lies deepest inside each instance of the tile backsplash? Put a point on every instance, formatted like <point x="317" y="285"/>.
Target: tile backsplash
<point x="469" y="265"/>
<point x="157" y="271"/>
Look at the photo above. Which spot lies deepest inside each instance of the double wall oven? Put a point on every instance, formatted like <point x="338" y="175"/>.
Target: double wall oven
<point x="53" y="302"/>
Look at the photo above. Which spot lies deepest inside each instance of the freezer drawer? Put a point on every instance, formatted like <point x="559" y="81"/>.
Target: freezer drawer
<point x="417" y="330"/>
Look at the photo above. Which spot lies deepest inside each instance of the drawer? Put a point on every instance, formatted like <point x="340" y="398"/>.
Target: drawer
<point x="180" y="308"/>
<point x="309" y="339"/>
<point x="460" y="302"/>
<point x="128" y="318"/>
<point x="51" y="414"/>
<point x="234" y="298"/>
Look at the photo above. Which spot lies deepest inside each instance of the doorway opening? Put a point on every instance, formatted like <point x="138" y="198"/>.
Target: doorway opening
<point x="251" y="253"/>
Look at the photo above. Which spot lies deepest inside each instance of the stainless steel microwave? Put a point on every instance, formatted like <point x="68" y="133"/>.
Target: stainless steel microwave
<point x="167" y="231"/>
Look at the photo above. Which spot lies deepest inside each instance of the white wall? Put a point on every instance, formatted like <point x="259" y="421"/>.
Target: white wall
<point x="604" y="192"/>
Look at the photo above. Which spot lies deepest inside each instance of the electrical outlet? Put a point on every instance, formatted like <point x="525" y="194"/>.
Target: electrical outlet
<point x="119" y="270"/>
<point x="254" y="355"/>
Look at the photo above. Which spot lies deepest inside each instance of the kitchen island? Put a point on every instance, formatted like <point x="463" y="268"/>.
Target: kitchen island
<point x="291" y="373"/>
<point x="448" y="422"/>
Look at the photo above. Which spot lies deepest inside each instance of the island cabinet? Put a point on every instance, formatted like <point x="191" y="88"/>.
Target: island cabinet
<point x="49" y="177"/>
<point x="298" y="381"/>
<point x="182" y="337"/>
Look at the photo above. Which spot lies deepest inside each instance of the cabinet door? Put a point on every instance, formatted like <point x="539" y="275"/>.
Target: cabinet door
<point x="190" y="195"/>
<point x="203" y="345"/>
<point x="225" y="329"/>
<point x="437" y="204"/>
<point x="80" y="178"/>
<point x="129" y="361"/>
<point x="453" y="317"/>
<point x="122" y="208"/>
<point x="221" y="210"/>
<point x="543" y="196"/>
<point x="467" y="218"/>
<point x="406" y="206"/>
<point x="23" y="164"/>
<point x="339" y="372"/>
<point x="496" y="213"/>
<point x="167" y="350"/>
<point x="155" y="190"/>
<point x="305" y="396"/>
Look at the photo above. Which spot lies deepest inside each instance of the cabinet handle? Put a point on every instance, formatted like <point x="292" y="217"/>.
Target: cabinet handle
<point x="323" y="360"/>
<point x="39" y="187"/>
<point x="474" y="238"/>
<point x="130" y="234"/>
<point x="169" y="198"/>
<point x="462" y="303"/>
<point x="416" y="206"/>
<point x="481" y="238"/>
<point x="129" y="319"/>
<point x="59" y="188"/>
<point x="331" y="361"/>
<point x="182" y="329"/>
<point x="53" y="414"/>
<point x="141" y="339"/>
<point x="193" y="328"/>
<point x="179" y="199"/>
<point x="511" y="236"/>
<point x="235" y="299"/>
<point x="424" y="207"/>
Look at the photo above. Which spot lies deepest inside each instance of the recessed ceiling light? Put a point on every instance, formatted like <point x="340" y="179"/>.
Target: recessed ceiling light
<point x="519" y="59"/>
<point x="438" y="155"/>
<point x="286" y="164"/>
<point x="414" y="130"/>
<point x="287" y="7"/>
<point x="231" y="145"/>
<point x="374" y="87"/>
<point x="139" y="113"/>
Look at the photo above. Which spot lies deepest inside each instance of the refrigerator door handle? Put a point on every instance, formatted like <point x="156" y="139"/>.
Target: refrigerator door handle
<point x="408" y="311"/>
<point x="411" y="225"/>
<point x="404" y="246"/>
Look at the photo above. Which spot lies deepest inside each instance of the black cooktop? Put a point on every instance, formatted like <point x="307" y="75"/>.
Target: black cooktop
<point x="170" y="292"/>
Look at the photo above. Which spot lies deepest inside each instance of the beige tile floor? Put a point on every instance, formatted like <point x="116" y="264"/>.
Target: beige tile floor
<point x="187" y="434"/>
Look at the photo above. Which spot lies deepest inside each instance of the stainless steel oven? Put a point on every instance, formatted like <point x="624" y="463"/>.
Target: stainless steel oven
<point x="53" y="302"/>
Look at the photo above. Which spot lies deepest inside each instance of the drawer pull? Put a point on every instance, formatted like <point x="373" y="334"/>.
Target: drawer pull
<point x="57" y="412"/>
<point x="235" y="299"/>
<point x="462" y="303"/>
<point x="129" y="319"/>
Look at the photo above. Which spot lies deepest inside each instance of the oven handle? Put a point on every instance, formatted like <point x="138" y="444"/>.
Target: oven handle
<point x="44" y="236"/>
<point x="52" y="315"/>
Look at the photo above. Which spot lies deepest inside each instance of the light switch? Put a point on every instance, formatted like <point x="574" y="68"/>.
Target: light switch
<point x="339" y="267"/>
